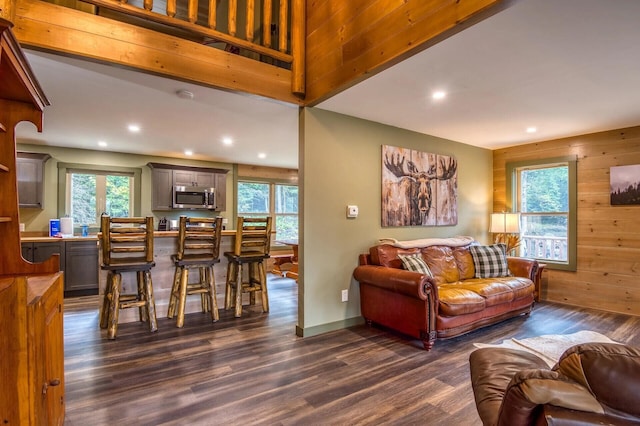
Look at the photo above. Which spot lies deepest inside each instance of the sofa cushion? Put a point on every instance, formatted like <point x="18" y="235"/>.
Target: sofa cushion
<point x="456" y="300"/>
<point x="415" y="262"/>
<point x="493" y="291"/>
<point x="464" y="260"/>
<point x="442" y="263"/>
<point x="490" y="261"/>
<point x="387" y="255"/>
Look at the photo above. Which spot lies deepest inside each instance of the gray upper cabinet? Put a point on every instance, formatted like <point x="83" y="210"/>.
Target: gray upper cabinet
<point x="161" y="189"/>
<point x="30" y="176"/>
<point x="164" y="176"/>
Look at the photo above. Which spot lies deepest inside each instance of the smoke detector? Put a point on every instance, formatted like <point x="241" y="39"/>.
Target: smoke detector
<point x="184" y="94"/>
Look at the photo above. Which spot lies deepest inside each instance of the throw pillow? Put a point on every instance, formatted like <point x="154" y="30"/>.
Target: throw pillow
<point x="415" y="262"/>
<point x="490" y="261"/>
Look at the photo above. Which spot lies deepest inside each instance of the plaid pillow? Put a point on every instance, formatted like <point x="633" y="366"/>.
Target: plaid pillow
<point x="490" y="261"/>
<point x="415" y="262"/>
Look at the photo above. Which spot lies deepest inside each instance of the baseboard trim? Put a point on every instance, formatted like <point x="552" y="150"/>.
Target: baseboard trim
<point x="325" y="328"/>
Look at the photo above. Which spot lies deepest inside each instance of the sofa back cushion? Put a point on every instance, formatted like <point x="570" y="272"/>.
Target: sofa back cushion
<point x="464" y="260"/>
<point x="387" y="255"/>
<point x="442" y="263"/>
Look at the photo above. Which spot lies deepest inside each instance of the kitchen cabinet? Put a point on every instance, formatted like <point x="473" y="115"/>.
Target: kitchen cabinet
<point x="81" y="267"/>
<point x="39" y="252"/>
<point x="33" y="357"/>
<point x="161" y="189"/>
<point x="30" y="176"/>
<point x="194" y="178"/>
<point x="221" y="192"/>
<point x="164" y="176"/>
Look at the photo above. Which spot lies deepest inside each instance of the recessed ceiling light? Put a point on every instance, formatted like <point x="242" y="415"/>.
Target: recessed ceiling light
<point x="262" y="155"/>
<point x="437" y="95"/>
<point x="188" y="152"/>
<point x="134" y="128"/>
<point x="531" y="129"/>
<point x="227" y="141"/>
<point x="102" y="143"/>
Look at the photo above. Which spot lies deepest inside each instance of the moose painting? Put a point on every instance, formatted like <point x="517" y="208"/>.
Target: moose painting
<point x="418" y="188"/>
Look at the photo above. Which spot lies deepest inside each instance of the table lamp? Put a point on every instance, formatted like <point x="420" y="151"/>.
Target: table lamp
<point x="506" y="226"/>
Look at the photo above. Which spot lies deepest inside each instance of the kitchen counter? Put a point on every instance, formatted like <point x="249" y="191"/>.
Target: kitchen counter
<point x="32" y="238"/>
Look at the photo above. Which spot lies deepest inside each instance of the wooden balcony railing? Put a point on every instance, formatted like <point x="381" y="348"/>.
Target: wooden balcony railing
<point x="279" y="39"/>
<point x="544" y="248"/>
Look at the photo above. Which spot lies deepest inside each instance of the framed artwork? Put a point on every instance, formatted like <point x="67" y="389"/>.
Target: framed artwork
<point x="418" y="188"/>
<point x="625" y="185"/>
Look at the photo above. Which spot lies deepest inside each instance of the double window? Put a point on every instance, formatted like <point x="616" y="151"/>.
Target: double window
<point x="544" y="192"/>
<point x="280" y="201"/>
<point x="90" y="191"/>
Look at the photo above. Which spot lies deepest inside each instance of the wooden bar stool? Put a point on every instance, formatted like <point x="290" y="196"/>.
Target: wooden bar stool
<point x="198" y="247"/>
<point x="127" y="246"/>
<point x="251" y="248"/>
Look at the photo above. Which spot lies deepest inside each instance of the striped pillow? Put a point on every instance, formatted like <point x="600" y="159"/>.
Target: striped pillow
<point x="490" y="261"/>
<point x="415" y="262"/>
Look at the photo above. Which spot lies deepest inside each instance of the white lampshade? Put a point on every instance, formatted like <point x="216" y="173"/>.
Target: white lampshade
<point x="505" y="223"/>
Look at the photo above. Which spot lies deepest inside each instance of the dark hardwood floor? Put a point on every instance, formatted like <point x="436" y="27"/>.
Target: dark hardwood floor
<point x="254" y="370"/>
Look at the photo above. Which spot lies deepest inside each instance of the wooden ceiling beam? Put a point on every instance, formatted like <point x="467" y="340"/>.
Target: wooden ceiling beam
<point x="66" y="31"/>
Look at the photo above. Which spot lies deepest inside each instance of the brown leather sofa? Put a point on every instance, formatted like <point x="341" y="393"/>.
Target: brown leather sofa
<point x="451" y="303"/>
<point x="592" y="383"/>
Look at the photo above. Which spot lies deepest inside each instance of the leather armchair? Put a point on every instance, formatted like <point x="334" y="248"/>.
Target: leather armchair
<point x="592" y="383"/>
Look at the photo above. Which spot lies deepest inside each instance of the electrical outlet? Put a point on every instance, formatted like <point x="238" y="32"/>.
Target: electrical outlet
<point x="345" y="295"/>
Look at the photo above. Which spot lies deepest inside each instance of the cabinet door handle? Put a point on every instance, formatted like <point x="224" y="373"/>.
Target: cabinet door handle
<point x="52" y="382"/>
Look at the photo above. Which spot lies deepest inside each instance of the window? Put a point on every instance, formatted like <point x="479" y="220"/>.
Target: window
<point x="544" y="194"/>
<point x="90" y="191"/>
<point x="271" y="199"/>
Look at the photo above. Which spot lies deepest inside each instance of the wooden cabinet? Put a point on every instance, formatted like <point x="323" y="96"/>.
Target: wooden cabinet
<point x="164" y="176"/>
<point x="81" y="267"/>
<point x="30" y="175"/>
<point x="39" y="252"/>
<point x="221" y="192"/>
<point x="161" y="189"/>
<point x="194" y="178"/>
<point x="32" y="364"/>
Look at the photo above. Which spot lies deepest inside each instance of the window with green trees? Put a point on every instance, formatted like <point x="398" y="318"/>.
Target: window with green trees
<point x="271" y="199"/>
<point x="92" y="193"/>
<point x="543" y="191"/>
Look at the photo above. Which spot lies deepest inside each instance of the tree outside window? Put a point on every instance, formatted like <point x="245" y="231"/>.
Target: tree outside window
<point x="92" y="194"/>
<point x="259" y="199"/>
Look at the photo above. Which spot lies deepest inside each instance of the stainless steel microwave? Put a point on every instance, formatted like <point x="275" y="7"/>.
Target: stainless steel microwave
<point x="193" y="197"/>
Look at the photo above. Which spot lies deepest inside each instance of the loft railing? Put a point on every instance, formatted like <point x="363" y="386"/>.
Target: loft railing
<point x="544" y="248"/>
<point x="266" y="30"/>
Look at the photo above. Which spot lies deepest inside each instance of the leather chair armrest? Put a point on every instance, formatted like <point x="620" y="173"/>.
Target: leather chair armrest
<point x="401" y="281"/>
<point x="521" y="267"/>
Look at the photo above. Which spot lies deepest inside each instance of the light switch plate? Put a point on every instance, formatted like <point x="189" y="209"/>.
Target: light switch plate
<point x="352" y="211"/>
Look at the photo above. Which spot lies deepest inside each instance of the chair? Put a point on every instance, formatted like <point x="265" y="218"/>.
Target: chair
<point x="251" y="249"/>
<point x="127" y="246"/>
<point x="592" y="383"/>
<point x="198" y="247"/>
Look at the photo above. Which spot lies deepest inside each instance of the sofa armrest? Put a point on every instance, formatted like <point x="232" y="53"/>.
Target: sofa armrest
<point x="521" y="267"/>
<point x="401" y="281"/>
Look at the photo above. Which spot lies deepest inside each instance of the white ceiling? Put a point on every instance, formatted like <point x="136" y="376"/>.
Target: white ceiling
<point x="567" y="67"/>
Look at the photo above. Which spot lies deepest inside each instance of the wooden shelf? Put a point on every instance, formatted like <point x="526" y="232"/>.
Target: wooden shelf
<point x="5" y="219"/>
<point x="2" y="128"/>
<point x="3" y="168"/>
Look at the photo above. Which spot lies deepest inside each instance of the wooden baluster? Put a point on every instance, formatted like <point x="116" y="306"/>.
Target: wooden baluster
<point x="171" y="8"/>
<point x="283" y="25"/>
<point x="266" y="23"/>
<point x="298" y="35"/>
<point x="233" y="6"/>
<point x="193" y="11"/>
<point x="213" y="5"/>
<point x="148" y="4"/>
<point x="250" y="20"/>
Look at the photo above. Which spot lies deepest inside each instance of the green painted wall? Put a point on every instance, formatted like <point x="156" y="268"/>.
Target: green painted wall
<point x="340" y="164"/>
<point x="36" y="220"/>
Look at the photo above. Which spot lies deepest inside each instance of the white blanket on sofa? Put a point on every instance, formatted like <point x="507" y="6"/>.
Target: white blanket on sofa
<point x="459" y="241"/>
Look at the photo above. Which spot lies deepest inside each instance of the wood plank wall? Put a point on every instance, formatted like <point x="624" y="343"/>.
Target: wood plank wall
<point x="349" y="40"/>
<point x="608" y="239"/>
